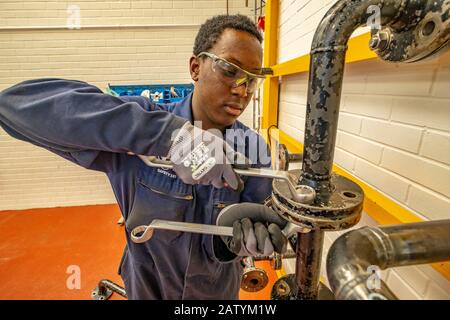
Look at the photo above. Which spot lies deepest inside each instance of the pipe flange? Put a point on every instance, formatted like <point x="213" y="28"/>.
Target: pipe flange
<point x="101" y="293"/>
<point x="342" y="210"/>
<point x="285" y="288"/>
<point x="428" y="37"/>
<point x="254" y="280"/>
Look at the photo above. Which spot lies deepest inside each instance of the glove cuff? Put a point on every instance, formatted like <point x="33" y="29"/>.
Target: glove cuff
<point x="221" y="252"/>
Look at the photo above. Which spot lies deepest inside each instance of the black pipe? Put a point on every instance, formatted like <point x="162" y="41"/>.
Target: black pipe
<point x="328" y="52"/>
<point x="354" y="255"/>
<point x="307" y="270"/>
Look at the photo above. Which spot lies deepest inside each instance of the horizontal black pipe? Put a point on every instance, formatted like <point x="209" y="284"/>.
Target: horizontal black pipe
<point x="354" y="256"/>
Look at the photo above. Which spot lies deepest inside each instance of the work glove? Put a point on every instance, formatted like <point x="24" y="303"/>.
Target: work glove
<point x="203" y="157"/>
<point x="256" y="231"/>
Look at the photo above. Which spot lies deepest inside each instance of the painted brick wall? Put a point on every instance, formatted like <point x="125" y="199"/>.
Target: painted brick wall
<point x="299" y="20"/>
<point x="112" y="12"/>
<point x="34" y="178"/>
<point x="393" y="132"/>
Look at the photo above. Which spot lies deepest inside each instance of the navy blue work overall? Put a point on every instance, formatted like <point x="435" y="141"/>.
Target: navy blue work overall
<point x="96" y="131"/>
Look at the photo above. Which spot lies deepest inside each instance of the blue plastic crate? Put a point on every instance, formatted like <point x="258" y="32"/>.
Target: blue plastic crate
<point x="162" y="93"/>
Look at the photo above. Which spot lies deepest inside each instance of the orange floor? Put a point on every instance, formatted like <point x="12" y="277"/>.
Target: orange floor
<point x="39" y="246"/>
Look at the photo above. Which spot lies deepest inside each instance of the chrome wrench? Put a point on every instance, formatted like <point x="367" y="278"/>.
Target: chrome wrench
<point x="144" y="233"/>
<point x="300" y="193"/>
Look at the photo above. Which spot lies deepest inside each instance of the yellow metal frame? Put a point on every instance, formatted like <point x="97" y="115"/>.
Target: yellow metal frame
<point x="358" y="50"/>
<point x="270" y="89"/>
<point x="381" y="208"/>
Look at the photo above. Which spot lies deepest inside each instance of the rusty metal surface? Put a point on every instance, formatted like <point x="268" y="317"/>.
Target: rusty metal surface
<point x="307" y="269"/>
<point x="285" y="288"/>
<point x="325" y="85"/>
<point x="421" y="32"/>
<point x="253" y="279"/>
<point x="105" y="289"/>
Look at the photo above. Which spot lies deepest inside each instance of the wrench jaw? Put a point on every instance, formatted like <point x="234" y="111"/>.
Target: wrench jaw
<point x="341" y="210"/>
<point x="141" y="234"/>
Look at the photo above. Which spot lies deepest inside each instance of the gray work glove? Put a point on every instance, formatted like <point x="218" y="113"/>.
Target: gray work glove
<point x="256" y="230"/>
<point x="203" y="157"/>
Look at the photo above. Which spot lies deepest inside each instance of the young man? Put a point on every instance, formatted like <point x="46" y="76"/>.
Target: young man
<point x="100" y="132"/>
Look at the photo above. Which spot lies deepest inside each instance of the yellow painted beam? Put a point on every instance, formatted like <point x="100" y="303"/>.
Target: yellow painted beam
<point x="358" y="50"/>
<point x="297" y="65"/>
<point x="270" y="103"/>
<point x="292" y="144"/>
<point x="378" y="206"/>
<point x="270" y="90"/>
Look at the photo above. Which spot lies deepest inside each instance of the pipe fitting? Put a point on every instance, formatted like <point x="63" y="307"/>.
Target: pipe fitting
<point x="354" y="256"/>
<point x="425" y="36"/>
<point x="253" y="279"/>
<point x="381" y="40"/>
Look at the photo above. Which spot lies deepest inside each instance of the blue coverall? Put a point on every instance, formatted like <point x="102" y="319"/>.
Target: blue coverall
<point x="95" y="130"/>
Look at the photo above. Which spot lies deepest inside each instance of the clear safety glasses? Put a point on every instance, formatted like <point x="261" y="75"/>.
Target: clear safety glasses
<point x="234" y="75"/>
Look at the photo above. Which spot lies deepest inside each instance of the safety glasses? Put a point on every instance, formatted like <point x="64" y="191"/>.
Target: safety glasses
<point x="234" y="75"/>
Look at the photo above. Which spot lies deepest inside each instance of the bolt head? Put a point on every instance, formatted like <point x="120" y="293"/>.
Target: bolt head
<point x="374" y="42"/>
<point x="381" y="40"/>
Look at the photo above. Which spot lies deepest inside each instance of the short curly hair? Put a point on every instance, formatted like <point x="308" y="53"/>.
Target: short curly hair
<point x="212" y="29"/>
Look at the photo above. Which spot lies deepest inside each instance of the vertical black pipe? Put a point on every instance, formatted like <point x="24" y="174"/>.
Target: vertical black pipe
<point x="325" y="84"/>
<point x="309" y="257"/>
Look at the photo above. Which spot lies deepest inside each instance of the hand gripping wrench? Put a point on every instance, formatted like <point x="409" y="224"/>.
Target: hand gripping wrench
<point x="303" y="194"/>
<point x="300" y="193"/>
<point x="144" y="233"/>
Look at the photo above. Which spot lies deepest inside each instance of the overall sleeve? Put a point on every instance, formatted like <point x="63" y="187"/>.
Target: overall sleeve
<point x="79" y="122"/>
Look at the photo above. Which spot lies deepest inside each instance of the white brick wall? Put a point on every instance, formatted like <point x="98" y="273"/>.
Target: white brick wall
<point x="400" y="144"/>
<point x="436" y="146"/>
<point x="31" y="177"/>
<point x="393" y="132"/>
<point x="298" y="21"/>
<point x="106" y="12"/>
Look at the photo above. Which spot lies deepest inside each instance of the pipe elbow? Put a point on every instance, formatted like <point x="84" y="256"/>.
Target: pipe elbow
<point x="345" y="17"/>
<point x="354" y="262"/>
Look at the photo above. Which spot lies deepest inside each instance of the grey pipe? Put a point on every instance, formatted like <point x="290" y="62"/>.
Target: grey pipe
<point x="355" y="255"/>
